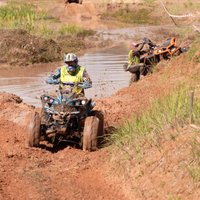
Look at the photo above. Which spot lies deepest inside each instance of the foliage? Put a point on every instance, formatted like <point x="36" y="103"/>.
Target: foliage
<point x="23" y="16"/>
<point x="141" y="16"/>
<point x="193" y="50"/>
<point x="174" y="197"/>
<point x="172" y="109"/>
<point x="74" y="30"/>
<point x="149" y="1"/>
<point x="194" y="167"/>
<point x="28" y="17"/>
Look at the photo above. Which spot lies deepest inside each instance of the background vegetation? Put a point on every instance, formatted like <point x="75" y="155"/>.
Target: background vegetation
<point x="30" y="18"/>
<point x="172" y="111"/>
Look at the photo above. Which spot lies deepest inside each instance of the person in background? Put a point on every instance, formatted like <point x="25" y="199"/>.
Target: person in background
<point x="135" y="53"/>
<point x="134" y="66"/>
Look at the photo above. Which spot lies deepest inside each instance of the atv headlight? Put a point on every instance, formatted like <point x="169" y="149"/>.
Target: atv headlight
<point x="51" y="100"/>
<point x="83" y="102"/>
<point x="77" y="103"/>
<point x="45" y="98"/>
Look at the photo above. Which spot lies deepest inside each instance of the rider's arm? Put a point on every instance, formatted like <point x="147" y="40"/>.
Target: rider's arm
<point x="87" y="82"/>
<point x="139" y="47"/>
<point x="86" y="77"/>
<point x="54" y="78"/>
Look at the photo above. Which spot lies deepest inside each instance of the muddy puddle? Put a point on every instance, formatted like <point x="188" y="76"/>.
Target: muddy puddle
<point x="104" y="67"/>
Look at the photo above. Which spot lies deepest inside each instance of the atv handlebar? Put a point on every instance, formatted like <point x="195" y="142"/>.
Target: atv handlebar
<point x="83" y="85"/>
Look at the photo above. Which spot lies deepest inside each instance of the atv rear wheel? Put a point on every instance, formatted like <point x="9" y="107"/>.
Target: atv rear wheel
<point x="33" y="137"/>
<point x="134" y="77"/>
<point x="90" y="133"/>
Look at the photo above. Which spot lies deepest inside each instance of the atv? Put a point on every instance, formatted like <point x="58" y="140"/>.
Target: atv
<point x="67" y="117"/>
<point x="168" y="49"/>
<point x="74" y="1"/>
<point x="152" y="56"/>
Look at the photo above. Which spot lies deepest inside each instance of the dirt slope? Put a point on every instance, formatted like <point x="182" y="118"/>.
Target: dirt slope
<point x="67" y="174"/>
<point x="71" y="173"/>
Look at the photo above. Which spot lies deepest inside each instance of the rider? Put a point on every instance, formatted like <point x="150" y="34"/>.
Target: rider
<point x="135" y="53"/>
<point x="70" y="74"/>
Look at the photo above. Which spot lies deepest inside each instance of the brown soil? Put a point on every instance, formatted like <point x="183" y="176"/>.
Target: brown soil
<point x="36" y="173"/>
<point x="19" y="47"/>
<point x="73" y="174"/>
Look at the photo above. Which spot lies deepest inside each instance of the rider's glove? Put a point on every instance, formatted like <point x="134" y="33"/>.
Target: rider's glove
<point x="85" y="85"/>
<point x="51" y="80"/>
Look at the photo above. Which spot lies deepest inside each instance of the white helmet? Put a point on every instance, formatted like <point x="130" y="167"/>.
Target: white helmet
<point x="70" y="57"/>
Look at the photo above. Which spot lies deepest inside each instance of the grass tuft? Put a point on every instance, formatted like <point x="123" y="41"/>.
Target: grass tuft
<point x="194" y="167"/>
<point x="193" y="53"/>
<point x="141" y="16"/>
<point x="75" y="30"/>
<point x="170" y="110"/>
<point x="26" y="16"/>
<point x="22" y="16"/>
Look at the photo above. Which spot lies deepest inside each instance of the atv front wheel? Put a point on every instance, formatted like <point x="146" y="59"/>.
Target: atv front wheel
<point x="90" y="132"/>
<point x="100" y="116"/>
<point x="33" y="137"/>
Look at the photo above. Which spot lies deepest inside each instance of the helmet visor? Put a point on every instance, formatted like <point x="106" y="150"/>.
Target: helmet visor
<point x="70" y="63"/>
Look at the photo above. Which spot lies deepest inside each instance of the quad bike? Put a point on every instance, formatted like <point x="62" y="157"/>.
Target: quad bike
<point x="67" y="117"/>
<point x="152" y="56"/>
<point x="167" y="49"/>
<point x="74" y="1"/>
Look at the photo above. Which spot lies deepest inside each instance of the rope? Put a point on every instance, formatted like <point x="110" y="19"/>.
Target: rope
<point x="178" y="16"/>
<point x="196" y="28"/>
<point x="175" y="16"/>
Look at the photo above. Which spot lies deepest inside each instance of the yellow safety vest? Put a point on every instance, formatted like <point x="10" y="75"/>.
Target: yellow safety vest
<point x="66" y="77"/>
<point x="132" y="59"/>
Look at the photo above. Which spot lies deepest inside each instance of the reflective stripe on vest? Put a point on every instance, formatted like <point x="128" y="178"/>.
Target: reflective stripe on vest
<point x="66" y="77"/>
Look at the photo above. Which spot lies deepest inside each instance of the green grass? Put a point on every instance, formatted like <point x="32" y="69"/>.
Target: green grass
<point x="22" y="16"/>
<point x="183" y="8"/>
<point x="170" y="110"/>
<point x="74" y="30"/>
<point x="193" y="50"/>
<point x="141" y="16"/>
<point x="194" y="167"/>
<point x="28" y="17"/>
<point x="149" y="1"/>
<point x="173" y="197"/>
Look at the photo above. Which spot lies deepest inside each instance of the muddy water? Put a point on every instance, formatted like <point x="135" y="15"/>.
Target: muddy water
<point x="104" y="67"/>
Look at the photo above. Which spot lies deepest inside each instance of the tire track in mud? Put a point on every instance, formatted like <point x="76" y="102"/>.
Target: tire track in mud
<point x="67" y="174"/>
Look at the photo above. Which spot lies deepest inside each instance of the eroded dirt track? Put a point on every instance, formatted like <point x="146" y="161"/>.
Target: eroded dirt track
<point x="66" y="174"/>
<point x="69" y="173"/>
